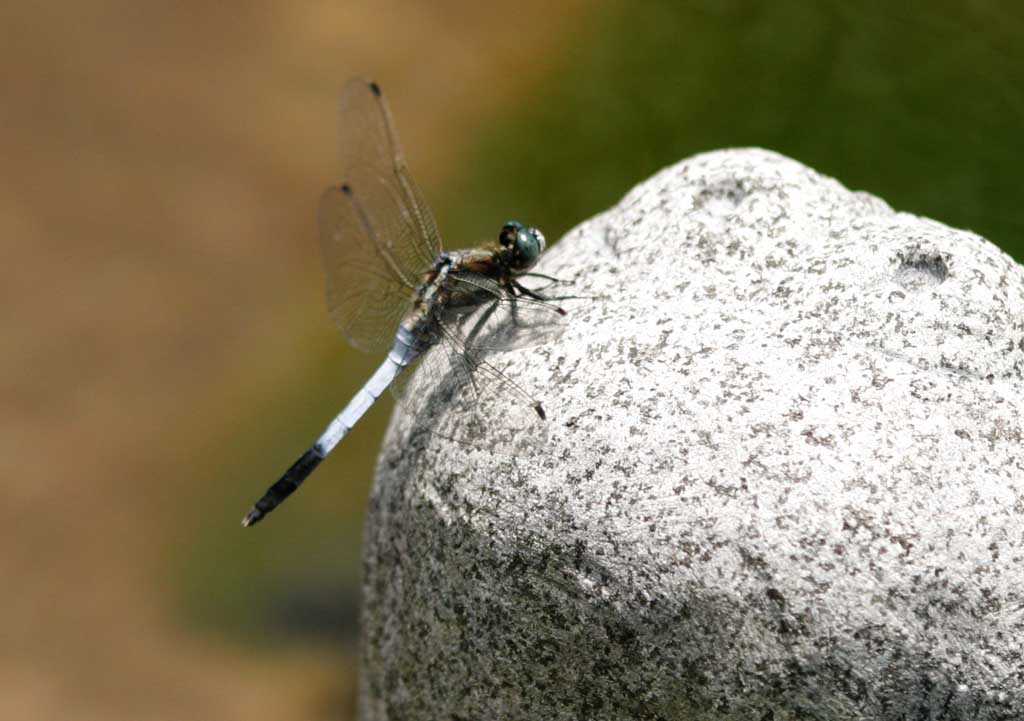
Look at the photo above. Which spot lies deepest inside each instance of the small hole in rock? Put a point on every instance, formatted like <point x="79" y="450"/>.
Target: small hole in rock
<point x="918" y="266"/>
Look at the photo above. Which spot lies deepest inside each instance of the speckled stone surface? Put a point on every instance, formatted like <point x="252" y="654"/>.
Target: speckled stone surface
<point x="782" y="477"/>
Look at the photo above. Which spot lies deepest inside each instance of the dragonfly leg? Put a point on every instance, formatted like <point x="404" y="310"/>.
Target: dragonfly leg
<point x="552" y="280"/>
<point x="523" y="290"/>
<point x="520" y="288"/>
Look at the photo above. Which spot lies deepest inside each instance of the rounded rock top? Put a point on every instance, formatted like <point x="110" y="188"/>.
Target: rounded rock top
<point x="781" y="476"/>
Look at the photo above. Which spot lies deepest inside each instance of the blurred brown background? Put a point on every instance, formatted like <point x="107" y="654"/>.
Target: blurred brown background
<point x="161" y="283"/>
<point x="166" y="351"/>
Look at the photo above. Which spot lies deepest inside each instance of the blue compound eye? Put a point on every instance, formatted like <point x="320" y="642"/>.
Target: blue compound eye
<point x="509" y="233"/>
<point x="538" y="237"/>
<point x="529" y="244"/>
<point x="528" y="247"/>
<point x="525" y="243"/>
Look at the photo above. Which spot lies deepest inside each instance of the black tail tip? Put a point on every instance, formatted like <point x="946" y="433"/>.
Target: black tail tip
<point x="253" y="517"/>
<point x="374" y="88"/>
<point x="540" y="411"/>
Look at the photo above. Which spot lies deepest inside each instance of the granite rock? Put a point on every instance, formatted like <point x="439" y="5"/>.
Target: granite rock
<point x="781" y="477"/>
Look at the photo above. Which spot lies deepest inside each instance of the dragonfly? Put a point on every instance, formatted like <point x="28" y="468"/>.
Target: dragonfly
<point x="391" y="287"/>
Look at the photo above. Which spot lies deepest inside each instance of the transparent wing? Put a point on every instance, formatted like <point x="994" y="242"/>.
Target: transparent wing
<point x="466" y="335"/>
<point x="455" y="393"/>
<point x="503" y="321"/>
<point x="440" y="371"/>
<point x="376" y="232"/>
<point x="366" y="299"/>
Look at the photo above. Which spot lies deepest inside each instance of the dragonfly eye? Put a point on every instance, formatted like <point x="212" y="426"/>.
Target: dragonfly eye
<point x="525" y="243"/>
<point x="509" y="231"/>
<point x="527" y="249"/>
<point x="540" y="239"/>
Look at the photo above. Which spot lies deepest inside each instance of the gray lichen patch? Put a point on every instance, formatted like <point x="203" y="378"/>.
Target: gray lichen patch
<point x="781" y="477"/>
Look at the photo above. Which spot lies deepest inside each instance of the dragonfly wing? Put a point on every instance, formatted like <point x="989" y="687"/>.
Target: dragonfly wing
<point x="453" y="392"/>
<point x="366" y="299"/>
<point x="504" y="321"/>
<point x="439" y="369"/>
<point x="455" y="388"/>
<point x="376" y="232"/>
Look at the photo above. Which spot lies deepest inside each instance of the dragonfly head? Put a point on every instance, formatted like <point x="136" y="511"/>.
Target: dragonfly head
<point x="524" y="245"/>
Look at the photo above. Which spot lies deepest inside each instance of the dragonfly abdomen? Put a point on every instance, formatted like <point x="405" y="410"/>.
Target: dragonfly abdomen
<point x="403" y="352"/>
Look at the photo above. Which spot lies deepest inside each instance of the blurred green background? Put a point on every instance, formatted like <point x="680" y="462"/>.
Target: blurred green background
<point x="168" y="353"/>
